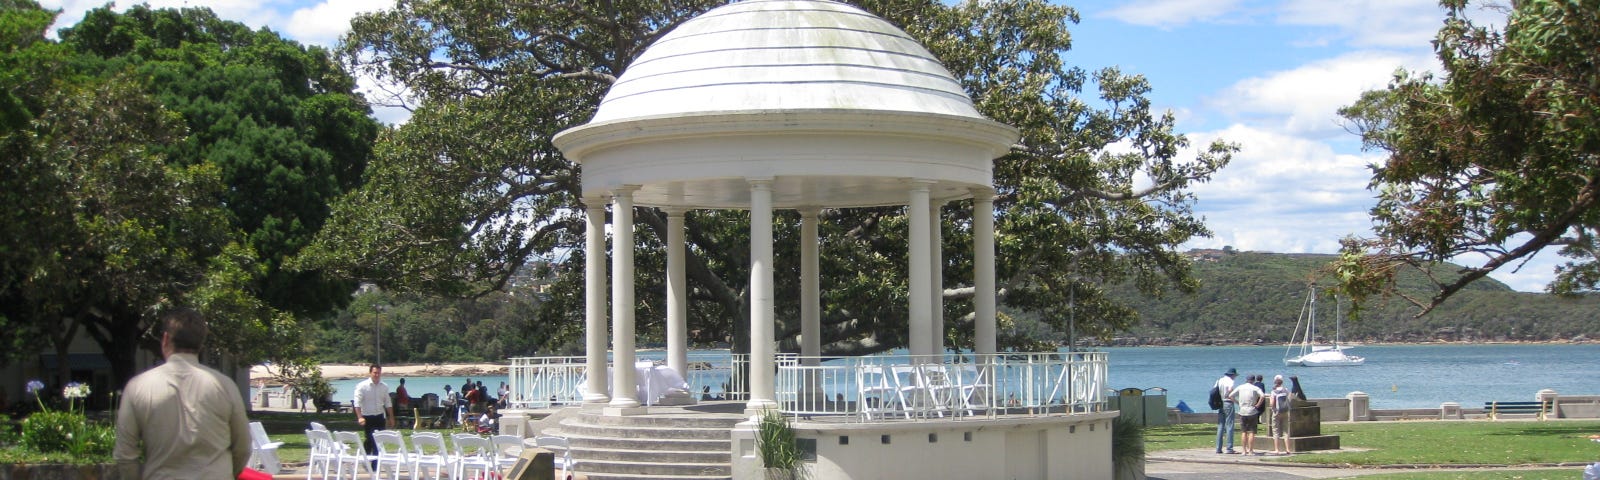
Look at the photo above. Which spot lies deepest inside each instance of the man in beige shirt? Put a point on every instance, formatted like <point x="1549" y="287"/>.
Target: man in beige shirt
<point x="187" y="419"/>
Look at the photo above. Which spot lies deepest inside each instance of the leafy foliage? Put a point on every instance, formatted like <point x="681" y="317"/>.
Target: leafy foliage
<point x="50" y="432"/>
<point x="1495" y="160"/>
<point x="776" y="442"/>
<point x="168" y="157"/>
<point x="1256" y="297"/>
<point x="99" y="228"/>
<point x="419" y="329"/>
<point x="471" y="189"/>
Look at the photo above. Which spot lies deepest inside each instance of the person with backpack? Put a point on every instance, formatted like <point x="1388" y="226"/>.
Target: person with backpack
<point x="1222" y="402"/>
<point x="1279" y="402"/>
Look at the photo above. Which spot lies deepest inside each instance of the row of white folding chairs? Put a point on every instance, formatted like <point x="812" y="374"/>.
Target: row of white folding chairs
<point x="333" y="453"/>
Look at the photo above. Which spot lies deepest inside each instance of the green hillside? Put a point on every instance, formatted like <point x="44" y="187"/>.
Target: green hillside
<point x="1255" y="297"/>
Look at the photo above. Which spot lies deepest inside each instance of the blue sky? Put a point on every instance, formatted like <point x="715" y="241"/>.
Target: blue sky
<point x="1268" y="75"/>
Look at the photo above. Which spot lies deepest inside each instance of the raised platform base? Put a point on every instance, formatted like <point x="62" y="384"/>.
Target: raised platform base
<point x="1301" y="444"/>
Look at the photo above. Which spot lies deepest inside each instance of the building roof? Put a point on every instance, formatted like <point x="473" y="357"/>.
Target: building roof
<point x="784" y="55"/>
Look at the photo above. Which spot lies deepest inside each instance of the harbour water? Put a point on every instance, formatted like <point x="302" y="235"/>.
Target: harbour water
<point x="1395" y="376"/>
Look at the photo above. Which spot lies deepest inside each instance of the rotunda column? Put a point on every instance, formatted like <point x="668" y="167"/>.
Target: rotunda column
<point x="810" y="290"/>
<point x="921" y="283"/>
<point x="623" y="376"/>
<point x="763" y="390"/>
<point x="936" y="275"/>
<point x="677" y="295"/>
<point x="983" y="270"/>
<point x="594" y="303"/>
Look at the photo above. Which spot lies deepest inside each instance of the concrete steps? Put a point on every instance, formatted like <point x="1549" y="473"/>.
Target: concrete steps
<point x="672" y="444"/>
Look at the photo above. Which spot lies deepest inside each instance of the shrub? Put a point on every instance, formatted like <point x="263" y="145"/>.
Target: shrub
<point x="50" y="432"/>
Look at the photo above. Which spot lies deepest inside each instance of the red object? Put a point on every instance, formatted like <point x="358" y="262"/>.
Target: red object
<point x="252" y="474"/>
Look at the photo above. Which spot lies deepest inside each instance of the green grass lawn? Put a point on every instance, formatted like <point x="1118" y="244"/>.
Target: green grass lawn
<point x="1426" y="443"/>
<point x="1537" y="474"/>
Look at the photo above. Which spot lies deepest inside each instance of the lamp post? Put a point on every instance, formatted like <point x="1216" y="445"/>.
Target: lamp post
<point x="377" y="332"/>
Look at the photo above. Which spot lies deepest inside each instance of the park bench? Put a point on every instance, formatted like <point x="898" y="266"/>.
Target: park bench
<point x="1496" y="409"/>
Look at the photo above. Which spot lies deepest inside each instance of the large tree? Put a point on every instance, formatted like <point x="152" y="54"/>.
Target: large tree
<point x="471" y="188"/>
<point x="279" y="120"/>
<point x="98" y="230"/>
<point x="165" y="157"/>
<point x="1493" y="160"/>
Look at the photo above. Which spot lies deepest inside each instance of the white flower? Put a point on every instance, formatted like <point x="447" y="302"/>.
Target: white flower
<point x="75" y="390"/>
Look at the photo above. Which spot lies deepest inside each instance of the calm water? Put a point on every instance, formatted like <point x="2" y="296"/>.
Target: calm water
<point x="1395" y="376"/>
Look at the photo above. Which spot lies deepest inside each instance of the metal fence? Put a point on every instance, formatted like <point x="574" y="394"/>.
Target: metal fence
<point x="883" y="387"/>
<point x="869" y="388"/>
<point x="546" y="382"/>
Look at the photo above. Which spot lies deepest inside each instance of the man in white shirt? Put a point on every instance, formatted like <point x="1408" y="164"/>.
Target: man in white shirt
<point x="1226" y="416"/>
<point x="1248" y="400"/>
<point x="374" y="410"/>
<point x="187" y="419"/>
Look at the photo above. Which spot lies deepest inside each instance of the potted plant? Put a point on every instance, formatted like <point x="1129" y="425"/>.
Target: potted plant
<point x="1127" y="449"/>
<point x="778" y="447"/>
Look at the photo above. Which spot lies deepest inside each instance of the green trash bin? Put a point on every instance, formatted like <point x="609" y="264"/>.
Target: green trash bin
<point x="1129" y="403"/>
<point x="1155" y="407"/>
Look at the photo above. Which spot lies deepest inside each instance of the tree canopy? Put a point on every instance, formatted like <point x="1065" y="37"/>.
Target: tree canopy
<point x="471" y="189"/>
<point x="166" y="157"/>
<point x="1495" y="159"/>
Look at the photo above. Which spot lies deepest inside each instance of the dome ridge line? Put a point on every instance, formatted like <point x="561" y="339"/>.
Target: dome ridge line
<point x="930" y="59"/>
<point x="674" y="38"/>
<point x="928" y="75"/>
<point x="943" y="93"/>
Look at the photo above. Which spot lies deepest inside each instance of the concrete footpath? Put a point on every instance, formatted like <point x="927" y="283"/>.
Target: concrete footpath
<point x="1207" y="464"/>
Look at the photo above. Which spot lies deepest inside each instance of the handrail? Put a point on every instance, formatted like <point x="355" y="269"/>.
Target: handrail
<point x="868" y="388"/>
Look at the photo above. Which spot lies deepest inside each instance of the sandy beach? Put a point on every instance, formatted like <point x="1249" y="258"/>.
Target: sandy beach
<point x="265" y="373"/>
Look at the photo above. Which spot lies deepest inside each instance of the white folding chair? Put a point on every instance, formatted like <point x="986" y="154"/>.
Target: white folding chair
<point x="507" y="450"/>
<point x="318" y="426"/>
<point x="975" y="388"/>
<point x="561" y="448"/>
<point x="263" y="451"/>
<point x="430" y="453"/>
<point x="877" y="392"/>
<point x="324" y="452"/>
<point x="351" y="453"/>
<point x="392" y="455"/>
<point x="472" y="454"/>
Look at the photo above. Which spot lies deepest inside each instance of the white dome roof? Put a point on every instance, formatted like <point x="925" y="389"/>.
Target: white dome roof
<point x="832" y="105"/>
<point x="784" y="55"/>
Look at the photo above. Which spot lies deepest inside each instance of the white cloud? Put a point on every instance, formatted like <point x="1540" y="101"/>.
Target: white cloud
<point x="1283" y="193"/>
<point x="1170" y="13"/>
<point x="1306" y="100"/>
<point x="1368" y="23"/>
<point x="324" y="23"/>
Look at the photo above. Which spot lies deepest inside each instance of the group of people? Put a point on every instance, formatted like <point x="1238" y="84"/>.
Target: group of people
<point x="473" y="398"/>
<point x="1246" y="403"/>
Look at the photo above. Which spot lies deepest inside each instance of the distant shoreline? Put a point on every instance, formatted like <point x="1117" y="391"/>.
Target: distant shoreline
<point x="1347" y="343"/>
<point x="340" y="371"/>
<point x="334" y="371"/>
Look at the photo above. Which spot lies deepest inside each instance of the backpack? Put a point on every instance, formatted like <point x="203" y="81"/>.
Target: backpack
<point x="1280" y="400"/>
<point x="1216" y="398"/>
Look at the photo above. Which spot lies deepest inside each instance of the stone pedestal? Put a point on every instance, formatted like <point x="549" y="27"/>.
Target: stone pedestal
<point x="1360" y="407"/>
<point x="1305" y="430"/>
<point x="1450" y="411"/>
<point x="514" y="421"/>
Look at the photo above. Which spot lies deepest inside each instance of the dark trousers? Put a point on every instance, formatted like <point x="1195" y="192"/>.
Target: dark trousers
<point x="374" y="423"/>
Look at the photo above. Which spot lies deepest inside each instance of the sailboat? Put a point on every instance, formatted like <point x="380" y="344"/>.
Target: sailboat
<point x="1310" y="354"/>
